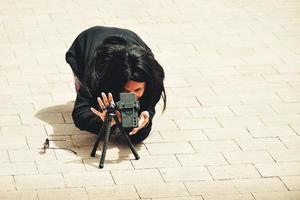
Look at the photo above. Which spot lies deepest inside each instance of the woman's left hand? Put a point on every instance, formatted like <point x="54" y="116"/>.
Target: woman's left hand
<point x="143" y="121"/>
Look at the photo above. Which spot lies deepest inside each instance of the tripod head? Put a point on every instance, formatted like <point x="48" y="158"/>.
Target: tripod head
<point x="129" y="110"/>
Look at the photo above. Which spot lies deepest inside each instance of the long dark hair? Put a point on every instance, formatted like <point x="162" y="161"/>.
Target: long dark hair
<point x="115" y="63"/>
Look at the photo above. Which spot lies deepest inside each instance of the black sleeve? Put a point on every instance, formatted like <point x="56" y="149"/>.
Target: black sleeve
<point x="144" y="132"/>
<point x="82" y="116"/>
<point x="75" y="56"/>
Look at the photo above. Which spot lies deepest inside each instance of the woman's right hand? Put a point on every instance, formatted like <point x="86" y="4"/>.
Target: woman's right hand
<point x="103" y="106"/>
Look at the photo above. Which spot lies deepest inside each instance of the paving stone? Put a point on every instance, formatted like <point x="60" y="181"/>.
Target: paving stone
<point x="227" y="133"/>
<point x="258" y="88"/>
<point x="291" y="142"/>
<point x="259" y="98"/>
<point x="279" y="120"/>
<point x="59" y="166"/>
<point x="244" y="157"/>
<point x="136" y="176"/>
<point x="201" y="159"/>
<point x="259" y="185"/>
<point x="41" y="119"/>
<point x="183" y="135"/>
<point x="244" y="79"/>
<point x="155" y="161"/>
<point x="291" y="182"/>
<point x="17" y="109"/>
<point x="220" y="100"/>
<point x="286" y="155"/>
<point x="63" y="193"/>
<point x="174" y="113"/>
<point x="16" y="89"/>
<point x="290" y="195"/>
<point x="92" y="164"/>
<point x="287" y="68"/>
<point x="163" y="125"/>
<point x="25" y="182"/>
<point x="176" y="82"/>
<point x="180" y="198"/>
<point x="289" y="96"/>
<point x="63" y="154"/>
<point x="185" y="174"/>
<point x="192" y="91"/>
<point x="7" y="142"/>
<point x="112" y="192"/>
<point x="7" y="184"/>
<point x="61" y="129"/>
<point x="210" y="112"/>
<point x="10" y="120"/>
<point x="215" y="146"/>
<point x="188" y="124"/>
<point x="248" y="110"/>
<point x="260" y="144"/>
<point x="278" y="169"/>
<point x="211" y="187"/>
<point x="161" y="190"/>
<point x="183" y="102"/>
<point x="296" y="128"/>
<point x="282" y="77"/>
<point x="271" y="131"/>
<point x="4" y="156"/>
<point x="229" y="197"/>
<point x="22" y="194"/>
<point x="240" y="121"/>
<point x="58" y="78"/>
<point x="88" y="179"/>
<point x="169" y="148"/>
<point x="18" y="168"/>
<point x="24" y="131"/>
<point x="233" y="171"/>
<point x="22" y="155"/>
<point x="256" y="69"/>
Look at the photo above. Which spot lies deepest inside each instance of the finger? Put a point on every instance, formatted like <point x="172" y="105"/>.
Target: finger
<point x="119" y="115"/>
<point x="95" y="111"/>
<point x="144" y="114"/>
<point x="101" y="115"/>
<point x="101" y="104"/>
<point x="105" y="100"/>
<point x="110" y="98"/>
<point x="142" y="123"/>
<point x="134" y="131"/>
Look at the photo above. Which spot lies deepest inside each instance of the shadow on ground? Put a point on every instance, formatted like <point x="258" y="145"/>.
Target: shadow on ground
<point x="65" y="137"/>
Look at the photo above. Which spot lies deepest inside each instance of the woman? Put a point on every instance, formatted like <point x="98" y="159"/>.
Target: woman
<point x="105" y="62"/>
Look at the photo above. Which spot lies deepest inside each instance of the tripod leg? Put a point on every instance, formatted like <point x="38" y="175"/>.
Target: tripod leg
<point x="136" y="155"/>
<point x="97" y="142"/>
<point x="105" y="145"/>
<point x="98" y="139"/>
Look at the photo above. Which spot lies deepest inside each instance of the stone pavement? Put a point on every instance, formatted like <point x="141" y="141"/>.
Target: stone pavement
<point x="232" y="126"/>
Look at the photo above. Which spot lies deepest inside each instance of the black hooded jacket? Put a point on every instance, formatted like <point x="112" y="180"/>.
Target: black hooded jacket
<point x="79" y="56"/>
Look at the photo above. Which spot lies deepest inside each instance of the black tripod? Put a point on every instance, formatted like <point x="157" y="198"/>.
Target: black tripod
<point x="106" y="129"/>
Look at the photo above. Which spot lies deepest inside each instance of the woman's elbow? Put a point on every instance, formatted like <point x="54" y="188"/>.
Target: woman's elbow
<point x="77" y="121"/>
